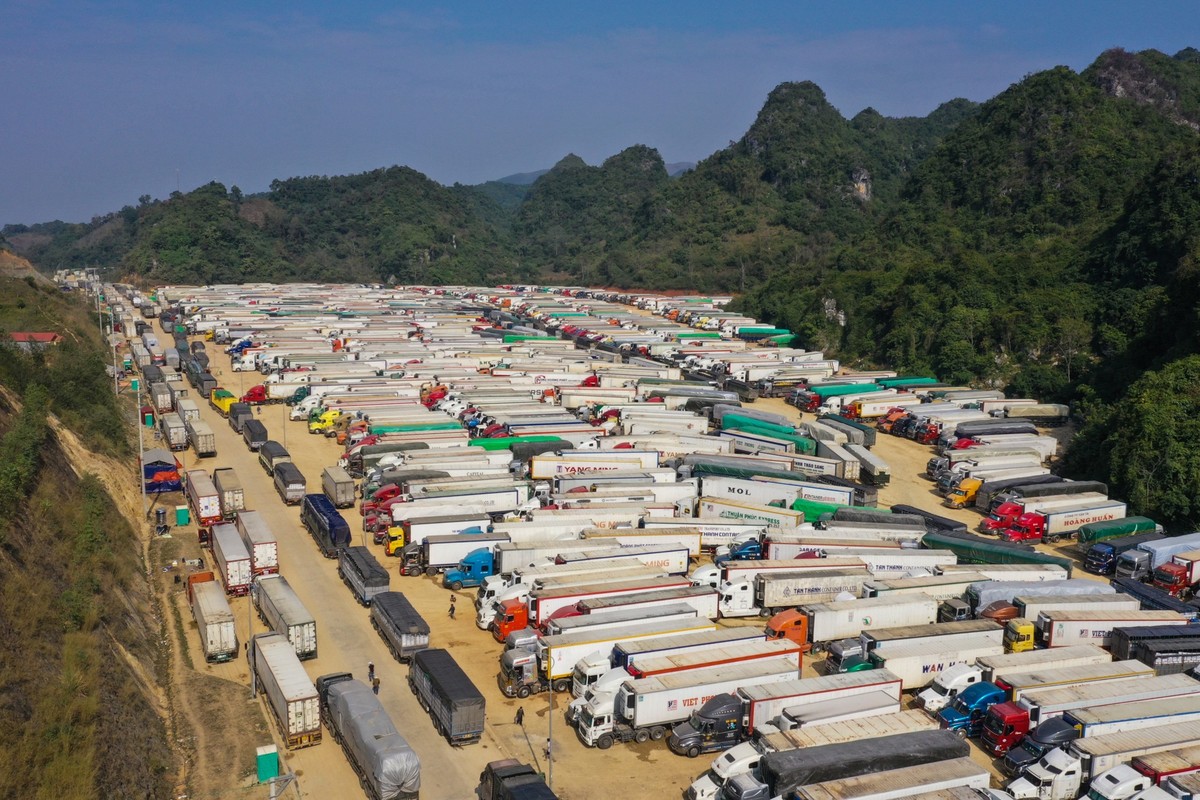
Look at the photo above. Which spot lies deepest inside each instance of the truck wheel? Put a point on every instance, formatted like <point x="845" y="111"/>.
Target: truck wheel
<point x="658" y="733"/>
<point x="961" y="733"/>
<point x="1053" y="539"/>
<point x="765" y="613"/>
<point x="431" y="571"/>
<point x="523" y="692"/>
<point x="693" y="751"/>
<point x="561" y="685"/>
<point x="641" y="737"/>
<point x="456" y="586"/>
<point x="604" y="742"/>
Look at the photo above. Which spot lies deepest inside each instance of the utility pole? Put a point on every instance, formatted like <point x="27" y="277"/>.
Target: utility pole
<point x="550" y="741"/>
<point x="141" y="447"/>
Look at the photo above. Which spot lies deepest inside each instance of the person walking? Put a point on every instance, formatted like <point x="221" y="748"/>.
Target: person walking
<point x="520" y="718"/>
<point x="452" y="606"/>
<point x="370" y="672"/>
<point x="375" y="684"/>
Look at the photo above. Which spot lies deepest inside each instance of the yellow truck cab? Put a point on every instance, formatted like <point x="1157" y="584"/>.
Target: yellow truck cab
<point x="325" y="421"/>
<point x="221" y="400"/>
<point x="963" y="495"/>
<point x="395" y="541"/>
<point x="1019" y="635"/>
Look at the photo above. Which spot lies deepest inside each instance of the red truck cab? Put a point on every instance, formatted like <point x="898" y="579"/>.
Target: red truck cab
<point x="255" y="395"/>
<point x="1005" y="725"/>
<point x="1027" y="528"/>
<point x="513" y="616"/>
<point x="1003" y="517"/>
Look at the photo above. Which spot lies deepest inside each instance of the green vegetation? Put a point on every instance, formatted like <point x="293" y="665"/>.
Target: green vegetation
<point x="1046" y="241"/>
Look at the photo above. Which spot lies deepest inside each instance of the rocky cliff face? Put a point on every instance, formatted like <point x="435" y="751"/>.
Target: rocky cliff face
<point x="1146" y="78"/>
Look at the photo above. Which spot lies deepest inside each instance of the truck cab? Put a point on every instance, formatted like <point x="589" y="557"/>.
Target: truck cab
<point x="947" y="686"/>
<point x="965" y="716"/>
<point x="509" y="778"/>
<point x="513" y="615"/>
<point x="748" y="549"/>
<point x="474" y="567"/>
<point x="791" y="625"/>
<point x="716" y="725"/>
<point x="1055" y="776"/>
<point x="740" y="759"/>
<point x="845" y="655"/>
<point x="591" y="689"/>
<point x="1179" y="577"/>
<point x="963" y="494"/>
<point x="1054" y="732"/>
<point x="706" y="575"/>
<point x="393" y="540"/>
<point x="1005" y="725"/>
<point x="954" y="610"/>
<point x="519" y="673"/>
<point x="1027" y="528"/>
<point x="1019" y="635"/>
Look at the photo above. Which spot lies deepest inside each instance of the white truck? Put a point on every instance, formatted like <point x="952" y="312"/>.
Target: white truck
<point x="767" y="492"/>
<point x="702" y="599"/>
<point x="511" y="555"/>
<point x="671" y="558"/>
<point x="770" y="593"/>
<point x="640" y="537"/>
<point x="844" y="619"/>
<point x="1063" y="772"/>
<point x="723" y="509"/>
<point x="648" y="707"/>
<point x="918" y="664"/>
<point x="283" y="612"/>
<point x="229" y="488"/>
<point x="1064" y="628"/>
<point x="277" y="672"/>
<point x="901" y="562"/>
<point x="232" y="558"/>
<point x="618" y="618"/>
<point x="951" y="681"/>
<point x="713" y="532"/>
<point x="730" y="573"/>
<point x="1043" y="704"/>
<point x="939" y="587"/>
<point x="214" y="619"/>
<point x="260" y="542"/>
<point x="938" y="779"/>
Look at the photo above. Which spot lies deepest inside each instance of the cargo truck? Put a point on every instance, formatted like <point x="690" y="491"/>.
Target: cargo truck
<point x="1100" y="557"/>
<point x="387" y="767"/>
<point x="260" y="542"/>
<point x="619" y="618"/>
<point x="327" y="527"/>
<point x="1179" y="576"/>
<point x="289" y="483"/>
<point x="786" y="772"/>
<point x="918" y="665"/>
<point x="214" y="619"/>
<point x="201" y="437"/>
<point x="229" y="489"/>
<point x="203" y="498"/>
<point x="509" y="779"/>
<point x="1053" y="525"/>
<point x="1067" y="627"/>
<point x="646" y="709"/>
<point x="338" y="487"/>
<point x="435" y="554"/>
<point x="283" y="612"/>
<point x="735" y="715"/>
<point x="1127" y="642"/>
<point x="291" y="696"/>
<point x="359" y="570"/>
<point x="771" y="593"/>
<point x="980" y="595"/>
<point x="1006" y="514"/>
<point x="454" y="704"/>
<point x="543" y="604"/>
<point x="1062" y="772"/>
<point x="232" y="559"/>
<point x="827" y="622"/>
<point x="174" y="431"/>
<point x="414" y="530"/>
<point x="952" y="779"/>
<point x="399" y="625"/>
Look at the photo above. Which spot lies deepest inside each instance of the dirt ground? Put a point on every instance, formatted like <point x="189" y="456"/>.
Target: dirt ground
<point x="227" y="726"/>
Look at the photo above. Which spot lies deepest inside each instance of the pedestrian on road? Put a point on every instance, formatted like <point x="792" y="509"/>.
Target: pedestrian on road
<point x="370" y="671"/>
<point x="547" y="750"/>
<point x="375" y="685"/>
<point x="452" y="607"/>
<point x="520" y="718"/>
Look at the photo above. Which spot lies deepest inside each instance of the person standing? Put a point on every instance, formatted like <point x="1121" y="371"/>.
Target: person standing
<point x="451" y="606"/>
<point x="375" y="685"/>
<point x="370" y="672"/>
<point x="520" y="718"/>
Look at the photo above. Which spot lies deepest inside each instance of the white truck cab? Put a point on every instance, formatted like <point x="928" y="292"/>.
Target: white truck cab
<point x="737" y="760"/>
<point x="947" y="685"/>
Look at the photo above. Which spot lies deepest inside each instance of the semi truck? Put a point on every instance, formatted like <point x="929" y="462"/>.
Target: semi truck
<point x="917" y="665"/>
<point x="229" y="489"/>
<point x="291" y="697"/>
<point x="772" y="592"/>
<point x="386" y="765"/>
<point x="399" y="625"/>
<point x="283" y="612"/>
<point x="646" y="709"/>
<point x="326" y="525"/>
<point x="359" y="570"/>
<point x="1067" y="627"/>
<point x="201" y="437"/>
<point x="1180" y="576"/>
<point x="214" y="619"/>
<point x="1140" y="562"/>
<point x="951" y="779"/>
<point x="543" y="604"/>
<point x="203" y="498"/>
<point x="454" y="704"/>
<point x="259" y="541"/>
<point x="436" y="554"/>
<point x="733" y="716"/>
<point x="232" y="559"/>
<point x="826" y="622"/>
<point x="1053" y="525"/>
<point x="338" y="486"/>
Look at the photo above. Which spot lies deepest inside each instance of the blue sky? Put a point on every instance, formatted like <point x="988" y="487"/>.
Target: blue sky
<point x="106" y="101"/>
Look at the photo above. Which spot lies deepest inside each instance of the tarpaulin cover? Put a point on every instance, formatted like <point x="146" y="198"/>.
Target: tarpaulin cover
<point x="790" y="769"/>
<point x="382" y="753"/>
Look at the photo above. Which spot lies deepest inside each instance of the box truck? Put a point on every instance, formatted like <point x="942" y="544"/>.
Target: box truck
<point x="283" y="612"/>
<point x="291" y="697"/>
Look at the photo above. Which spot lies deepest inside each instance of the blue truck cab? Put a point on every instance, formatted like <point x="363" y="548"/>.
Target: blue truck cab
<point x="966" y="714"/>
<point x="742" y="550"/>
<point x="474" y="567"/>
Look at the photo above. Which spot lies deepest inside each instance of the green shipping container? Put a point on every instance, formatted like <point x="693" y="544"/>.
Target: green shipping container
<point x="411" y="427"/>
<point x="182" y="515"/>
<point x="911" y="380"/>
<point x="803" y="445"/>
<point x="843" y="389"/>
<point x="506" y="443"/>
<point x="975" y="552"/>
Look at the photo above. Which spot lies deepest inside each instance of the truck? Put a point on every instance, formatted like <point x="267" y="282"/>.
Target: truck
<point x="980" y="595"/>
<point x="646" y="708"/>
<point x="702" y="599"/>
<point x="672" y="559"/>
<point x="386" y="765"/>
<point x="1127" y="642"/>
<point x="509" y="779"/>
<point x="965" y="633"/>
<point x="1053" y="525"/>
<point x="770" y="593"/>
<point x="788" y="771"/>
<point x="214" y="619"/>
<point x="1007" y="723"/>
<point x="174" y="431"/>
<point x="1100" y="557"/>
<point x="359" y="570"/>
<point x="995" y="668"/>
<point x="456" y="707"/>
<point x="201" y="437"/>
<point x="338" y="486"/>
<point x="1061" y="628"/>
<point x="1179" y="576"/>
<point x="232" y="559"/>
<point x="203" y="498"/>
<point x="1045" y="489"/>
<point x="1006" y="514"/>
<point x="939" y="587"/>
<point x="781" y="652"/>
<point x="745" y="757"/>
<point x="951" y="779"/>
<point x="720" y="508"/>
<point x="415" y="529"/>
<point x="260" y="542"/>
<point x="1063" y="772"/>
<point x="229" y="490"/>
<point x="917" y="665"/>
<point x="618" y="618"/>
<point x="546" y="603"/>
<point x="327" y="527"/>
<point x="826" y="622"/>
<point x="255" y="435"/>
<point x="399" y="625"/>
<point x="735" y="715"/>
<point x="291" y="696"/>
<point x="435" y="554"/>
<point x="283" y="612"/>
<point x="289" y="483"/>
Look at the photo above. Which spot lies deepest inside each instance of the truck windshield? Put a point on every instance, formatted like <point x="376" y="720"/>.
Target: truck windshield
<point x="1021" y="528"/>
<point x="996" y="725"/>
<point x="938" y="688"/>
<point x="1163" y="575"/>
<point x="1034" y="747"/>
<point x="585" y="718"/>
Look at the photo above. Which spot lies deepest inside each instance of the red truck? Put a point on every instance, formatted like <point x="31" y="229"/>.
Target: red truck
<point x="1052" y="525"/>
<point x="1180" y="576"/>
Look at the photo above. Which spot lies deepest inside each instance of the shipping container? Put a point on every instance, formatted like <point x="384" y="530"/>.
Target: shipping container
<point x="291" y="696"/>
<point x="444" y="690"/>
<point x="281" y="610"/>
<point x="403" y="630"/>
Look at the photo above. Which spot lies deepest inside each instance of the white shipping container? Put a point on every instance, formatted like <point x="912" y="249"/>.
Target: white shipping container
<point x="214" y="619"/>
<point x="284" y="613"/>
<point x="259" y="541"/>
<point x="233" y="559"/>
<point x="918" y="664"/>
<point x="290" y="693"/>
<point x="1062" y="628"/>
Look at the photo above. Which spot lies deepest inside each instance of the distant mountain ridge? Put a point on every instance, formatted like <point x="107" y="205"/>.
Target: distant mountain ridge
<point x="674" y="170"/>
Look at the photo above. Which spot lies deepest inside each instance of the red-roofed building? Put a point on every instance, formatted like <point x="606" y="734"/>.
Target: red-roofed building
<point x="30" y="340"/>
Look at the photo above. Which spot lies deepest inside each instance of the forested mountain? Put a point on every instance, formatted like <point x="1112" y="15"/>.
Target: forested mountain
<point x="1047" y="240"/>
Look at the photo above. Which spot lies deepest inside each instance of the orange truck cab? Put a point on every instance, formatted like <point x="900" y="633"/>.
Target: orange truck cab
<point x="513" y="616"/>
<point x="791" y="625"/>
